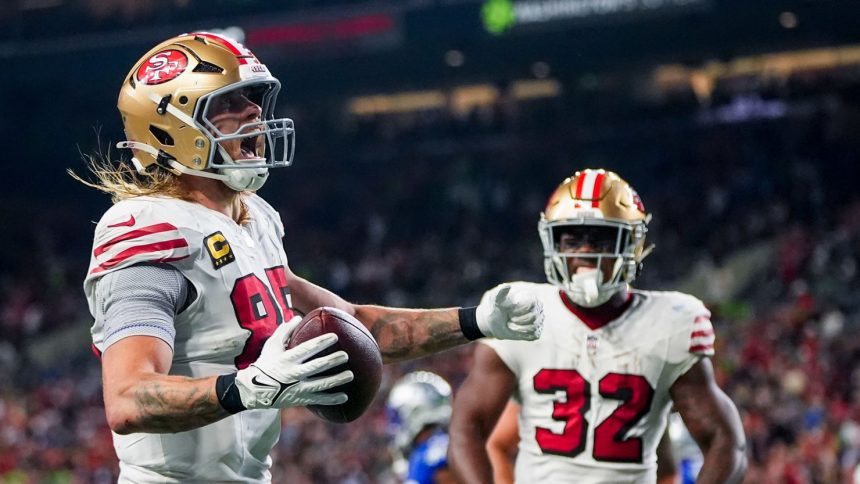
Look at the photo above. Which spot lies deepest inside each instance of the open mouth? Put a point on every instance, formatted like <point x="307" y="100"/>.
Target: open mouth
<point x="249" y="146"/>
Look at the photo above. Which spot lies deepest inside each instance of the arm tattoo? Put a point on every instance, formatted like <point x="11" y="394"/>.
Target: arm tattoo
<point x="405" y="334"/>
<point x="176" y="405"/>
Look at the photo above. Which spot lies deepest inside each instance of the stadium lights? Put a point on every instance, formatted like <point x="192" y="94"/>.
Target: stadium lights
<point x="466" y="98"/>
<point x="454" y="58"/>
<point x="702" y="80"/>
<point x="535" y="89"/>
<point x="788" y="20"/>
<point x="540" y="70"/>
<point x="459" y="100"/>
<point x="397" y="103"/>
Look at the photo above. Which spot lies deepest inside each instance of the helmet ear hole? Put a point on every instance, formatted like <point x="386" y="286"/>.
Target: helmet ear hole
<point x="161" y="135"/>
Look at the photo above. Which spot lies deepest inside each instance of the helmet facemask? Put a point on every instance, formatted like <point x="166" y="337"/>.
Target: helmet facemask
<point x="242" y="150"/>
<point x="613" y="256"/>
<point x="245" y="152"/>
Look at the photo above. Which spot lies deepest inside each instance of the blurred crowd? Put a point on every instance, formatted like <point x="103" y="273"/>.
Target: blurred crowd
<point x="429" y="209"/>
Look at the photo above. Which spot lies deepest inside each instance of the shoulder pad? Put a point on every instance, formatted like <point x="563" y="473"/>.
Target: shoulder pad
<point x="692" y="328"/>
<point x="134" y="231"/>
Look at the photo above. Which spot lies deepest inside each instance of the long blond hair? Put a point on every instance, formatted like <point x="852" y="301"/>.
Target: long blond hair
<point x="122" y="181"/>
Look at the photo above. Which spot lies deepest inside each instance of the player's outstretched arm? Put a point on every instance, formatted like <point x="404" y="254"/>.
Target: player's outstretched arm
<point x="714" y="423"/>
<point x="477" y="406"/>
<point x="141" y="397"/>
<point x="405" y="334"/>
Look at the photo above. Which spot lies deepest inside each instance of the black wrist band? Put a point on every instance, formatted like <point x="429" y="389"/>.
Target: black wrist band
<point x="469" y="323"/>
<point x="228" y="394"/>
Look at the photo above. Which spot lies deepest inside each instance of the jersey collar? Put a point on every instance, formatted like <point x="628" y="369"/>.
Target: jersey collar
<point x="596" y="318"/>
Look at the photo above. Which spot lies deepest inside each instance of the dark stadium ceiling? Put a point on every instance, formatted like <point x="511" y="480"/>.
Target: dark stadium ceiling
<point x="317" y="46"/>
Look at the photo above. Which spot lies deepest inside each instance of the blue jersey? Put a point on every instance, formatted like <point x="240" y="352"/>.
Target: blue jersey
<point x="427" y="458"/>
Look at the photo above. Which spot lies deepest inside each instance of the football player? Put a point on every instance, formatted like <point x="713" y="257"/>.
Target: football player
<point x="596" y="389"/>
<point x="190" y="288"/>
<point x="419" y="409"/>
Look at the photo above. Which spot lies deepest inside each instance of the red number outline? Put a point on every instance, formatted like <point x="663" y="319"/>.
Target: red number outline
<point x="572" y="412"/>
<point x="611" y="443"/>
<point x="248" y="292"/>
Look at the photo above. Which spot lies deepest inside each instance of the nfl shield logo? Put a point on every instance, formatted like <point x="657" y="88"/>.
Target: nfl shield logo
<point x="591" y="344"/>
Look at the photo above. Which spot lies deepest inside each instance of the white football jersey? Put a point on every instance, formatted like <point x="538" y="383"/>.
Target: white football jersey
<point x="595" y="401"/>
<point x="238" y="273"/>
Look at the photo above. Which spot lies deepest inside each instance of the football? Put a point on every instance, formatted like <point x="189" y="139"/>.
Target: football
<point x="365" y="361"/>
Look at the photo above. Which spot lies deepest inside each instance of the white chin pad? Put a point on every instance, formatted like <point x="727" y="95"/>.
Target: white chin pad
<point x="583" y="287"/>
<point x="245" y="179"/>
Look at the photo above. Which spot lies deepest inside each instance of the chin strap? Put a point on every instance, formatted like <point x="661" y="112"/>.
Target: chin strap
<point x="239" y="179"/>
<point x="135" y="145"/>
<point x="646" y="251"/>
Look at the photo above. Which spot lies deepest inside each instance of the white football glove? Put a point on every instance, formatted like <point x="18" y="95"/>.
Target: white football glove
<point x="510" y="312"/>
<point x="282" y="377"/>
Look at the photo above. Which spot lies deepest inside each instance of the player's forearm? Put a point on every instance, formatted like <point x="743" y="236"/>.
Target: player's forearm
<point x="503" y="468"/>
<point x="467" y="454"/>
<point x="405" y="334"/>
<point x="725" y="448"/>
<point x="164" y="404"/>
<point x="725" y="461"/>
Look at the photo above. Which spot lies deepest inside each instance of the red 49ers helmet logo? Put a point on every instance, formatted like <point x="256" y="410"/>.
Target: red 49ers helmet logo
<point x="162" y="67"/>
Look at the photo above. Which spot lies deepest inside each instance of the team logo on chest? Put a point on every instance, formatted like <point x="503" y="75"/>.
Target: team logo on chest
<point x="219" y="250"/>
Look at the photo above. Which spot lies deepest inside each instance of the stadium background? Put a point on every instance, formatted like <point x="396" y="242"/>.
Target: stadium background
<point x="429" y="134"/>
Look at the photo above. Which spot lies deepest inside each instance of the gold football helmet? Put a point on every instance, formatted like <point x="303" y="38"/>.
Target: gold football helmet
<point x="172" y="96"/>
<point x="599" y="206"/>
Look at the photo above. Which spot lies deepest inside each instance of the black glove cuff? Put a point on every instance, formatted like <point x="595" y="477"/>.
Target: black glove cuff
<point x="469" y="323"/>
<point x="228" y="394"/>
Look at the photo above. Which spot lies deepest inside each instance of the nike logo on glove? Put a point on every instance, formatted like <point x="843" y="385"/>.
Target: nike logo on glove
<point x="127" y="223"/>
<point x="261" y="384"/>
<point x="282" y="386"/>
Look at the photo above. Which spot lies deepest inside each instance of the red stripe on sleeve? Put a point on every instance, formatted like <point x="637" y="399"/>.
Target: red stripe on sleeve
<point x="152" y="229"/>
<point x="143" y="249"/>
<point x="100" y="269"/>
<point x="698" y="348"/>
<point x="595" y="194"/>
<point x="706" y="332"/>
